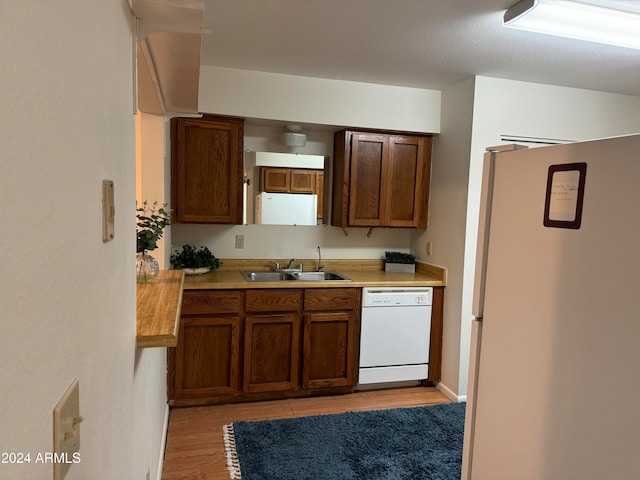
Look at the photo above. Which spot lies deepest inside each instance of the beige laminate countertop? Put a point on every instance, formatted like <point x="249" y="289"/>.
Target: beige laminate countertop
<point x="159" y="302"/>
<point x="368" y="273"/>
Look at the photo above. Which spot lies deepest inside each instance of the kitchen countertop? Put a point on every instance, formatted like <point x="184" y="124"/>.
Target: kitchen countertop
<point x="159" y="302"/>
<point x="158" y="310"/>
<point x="363" y="273"/>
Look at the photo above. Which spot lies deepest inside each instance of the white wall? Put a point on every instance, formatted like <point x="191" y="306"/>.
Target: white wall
<point x="68" y="300"/>
<point x="272" y="241"/>
<point x="152" y="169"/>
<point x="447" y="213"/>
<point x="512" y="108"/>
<point x="317" y="100"/>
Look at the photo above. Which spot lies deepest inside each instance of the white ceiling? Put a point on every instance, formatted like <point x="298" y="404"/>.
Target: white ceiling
<point x="417" y="43"/>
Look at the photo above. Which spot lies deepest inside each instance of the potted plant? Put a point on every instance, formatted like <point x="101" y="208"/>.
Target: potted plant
<point x="195" y="260"/>
<point x="400" y="262"/>
<point x="150" y="224"/>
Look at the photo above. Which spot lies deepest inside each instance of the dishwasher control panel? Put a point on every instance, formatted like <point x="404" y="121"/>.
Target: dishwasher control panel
<point x="396" y="296"/>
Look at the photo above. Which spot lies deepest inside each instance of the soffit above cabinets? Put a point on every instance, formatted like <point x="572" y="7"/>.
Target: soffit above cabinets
<point x="169" y="34"/>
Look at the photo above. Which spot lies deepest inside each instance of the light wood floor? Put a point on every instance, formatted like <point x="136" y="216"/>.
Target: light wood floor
<point x="194" y="443"/>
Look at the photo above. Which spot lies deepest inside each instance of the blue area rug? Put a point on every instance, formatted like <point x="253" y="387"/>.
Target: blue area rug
<point x="419" y="443"/>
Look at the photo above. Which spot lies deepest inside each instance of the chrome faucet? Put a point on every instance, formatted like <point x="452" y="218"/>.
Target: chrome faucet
<point x="320" y="265"/>
<point x="289" y="267"/>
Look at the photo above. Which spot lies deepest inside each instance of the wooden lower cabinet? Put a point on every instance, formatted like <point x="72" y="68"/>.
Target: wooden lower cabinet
<point x="329" y="350"/>
<point x="206" y="361"/>
<point x="271" y="352"/>
<point x="207" y="357"/>
<point x="241" y="345"/>
<point x="331" y="337"/>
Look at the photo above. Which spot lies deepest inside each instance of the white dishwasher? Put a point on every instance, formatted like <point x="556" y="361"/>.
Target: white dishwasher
<point x="395" y="333"/>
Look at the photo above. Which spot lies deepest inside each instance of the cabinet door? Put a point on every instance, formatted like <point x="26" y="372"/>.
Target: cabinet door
<point x="368" y="192"/>
<point x="303" y="181"/>
<point x="407" y="182"/>
<point x="207" y="170"/>
<point x="208" y="357"/>
<point x="275" y="179"/>
<point x="330" y="349"/>
<point x="380" y="179"/>
<point x="320" y="192"/>
<point x="271" y="352"/>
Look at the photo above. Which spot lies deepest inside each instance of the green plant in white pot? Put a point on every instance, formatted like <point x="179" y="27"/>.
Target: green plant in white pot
<point x="150" y="224"/>
<point x="400" y="262"/>
<point x="194" y="260"/>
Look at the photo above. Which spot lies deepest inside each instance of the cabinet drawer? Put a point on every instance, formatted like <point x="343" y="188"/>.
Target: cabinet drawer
<point x="196" y="302"/>
<point x="332" y="299"/>
<point x="276" y="300"/>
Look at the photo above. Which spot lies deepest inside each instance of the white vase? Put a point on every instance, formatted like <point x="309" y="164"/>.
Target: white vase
<point x="147" y="267"/>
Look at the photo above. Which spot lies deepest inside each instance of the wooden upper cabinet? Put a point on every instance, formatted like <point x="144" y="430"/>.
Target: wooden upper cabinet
<point x="320" y="193"/>
<point x="408" y="187"/>
<point x="380" y="179"/>
<point x="289" y="180"/>
<point x="367" y="192"/>
<point x="294" y="180"/>
<point x="275" y="179"/>
<point x="303" y="181"/>
<point x="206" y="169"/>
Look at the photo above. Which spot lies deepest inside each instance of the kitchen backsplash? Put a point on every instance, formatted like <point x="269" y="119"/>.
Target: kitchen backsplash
<point x="267" y="241"/>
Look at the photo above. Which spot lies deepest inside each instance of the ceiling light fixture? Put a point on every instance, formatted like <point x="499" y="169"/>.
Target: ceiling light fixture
<point x="293" y="138"/>
<point x="614" y="22"/>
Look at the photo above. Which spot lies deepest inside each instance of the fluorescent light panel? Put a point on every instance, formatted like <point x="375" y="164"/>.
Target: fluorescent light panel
<point x="589" y="21"/>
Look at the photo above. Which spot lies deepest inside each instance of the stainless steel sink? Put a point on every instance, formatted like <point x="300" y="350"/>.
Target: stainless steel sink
<point x="293" y="276"/>
<point x="266" y="276"/>
<point x="319" y="276"/>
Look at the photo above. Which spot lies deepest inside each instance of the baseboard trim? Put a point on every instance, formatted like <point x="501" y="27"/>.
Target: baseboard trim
<point x="163" y="443"/>
<point x="450" y="393"/>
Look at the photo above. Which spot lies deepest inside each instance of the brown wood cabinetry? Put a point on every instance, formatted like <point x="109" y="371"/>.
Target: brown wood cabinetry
<point x="272" y="340"/>
<point x="294" y="180"/>
<point x="237" y="345"/>
<point x="289" y="180"/>
<point x="207" y="357"/>
<point x="276" y="180"/>
<point x="206" y="169"/>
<point x="380" y="179"/>
<point x="320" y="193"/>
<point x="331" y="336"/>
<point x="303" y="181"/>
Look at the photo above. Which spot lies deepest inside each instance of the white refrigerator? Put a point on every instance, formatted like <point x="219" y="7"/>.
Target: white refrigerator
<point x="554" y="384"/>
<point x="286" y="209"/>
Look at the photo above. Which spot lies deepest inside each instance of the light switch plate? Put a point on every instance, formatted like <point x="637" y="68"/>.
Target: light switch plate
<point x="66" y="430"/>
<point x="108" y="211"/>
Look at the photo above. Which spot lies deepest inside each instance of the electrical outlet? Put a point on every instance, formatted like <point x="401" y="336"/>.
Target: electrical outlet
<point x="429" y="246"/>
<point x="239" y="241"/>
<point x="66" y="431"/>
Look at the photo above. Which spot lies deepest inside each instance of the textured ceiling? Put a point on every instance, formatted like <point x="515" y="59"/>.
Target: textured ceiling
<point x="418" y="43"/>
